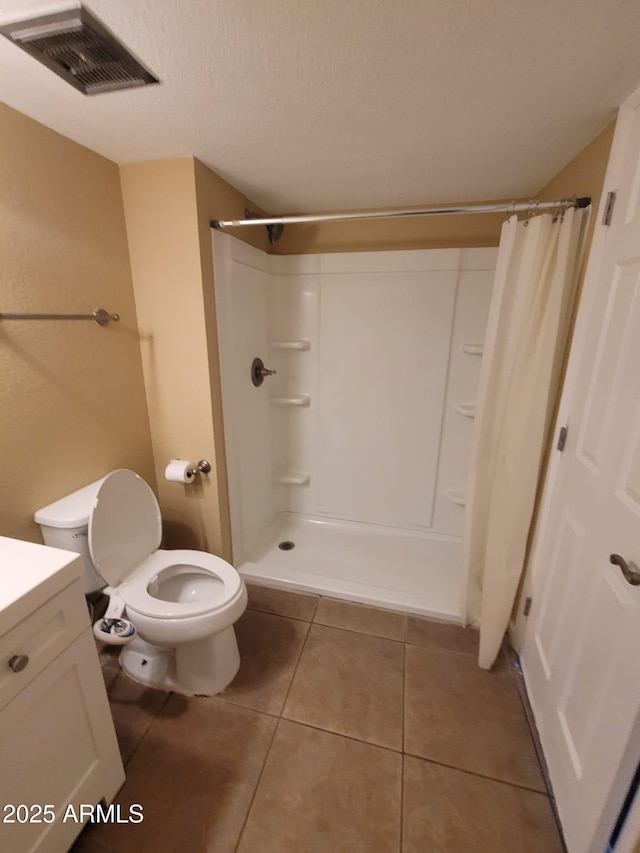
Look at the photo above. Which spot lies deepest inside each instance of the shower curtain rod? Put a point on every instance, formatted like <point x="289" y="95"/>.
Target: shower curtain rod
<point x="275" y="224"/>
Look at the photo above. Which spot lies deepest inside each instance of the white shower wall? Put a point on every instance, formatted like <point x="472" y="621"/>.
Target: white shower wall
<point x="368" y="420"/>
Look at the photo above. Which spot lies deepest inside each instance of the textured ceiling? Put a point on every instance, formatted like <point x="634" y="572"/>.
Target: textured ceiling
<point x="335" y="104"/>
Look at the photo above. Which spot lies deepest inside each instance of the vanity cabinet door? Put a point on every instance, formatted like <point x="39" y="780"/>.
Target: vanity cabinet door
<point x="57" y="747"/>
<point x="41" y="637"/>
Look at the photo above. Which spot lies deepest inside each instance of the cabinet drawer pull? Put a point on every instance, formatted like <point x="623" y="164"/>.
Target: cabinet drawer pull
<point x="18" y="662"/>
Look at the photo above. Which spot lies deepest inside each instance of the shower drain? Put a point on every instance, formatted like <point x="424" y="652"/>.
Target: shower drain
<point x="286" y="545"/>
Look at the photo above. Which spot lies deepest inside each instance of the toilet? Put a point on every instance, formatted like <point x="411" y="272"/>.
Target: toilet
<point x="182" y="603"/>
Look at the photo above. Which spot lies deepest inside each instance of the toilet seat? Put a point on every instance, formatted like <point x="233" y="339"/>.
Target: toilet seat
<point x="135" y="589"/>
<point x="124" y="532"/>
<point x="125" y="526"/>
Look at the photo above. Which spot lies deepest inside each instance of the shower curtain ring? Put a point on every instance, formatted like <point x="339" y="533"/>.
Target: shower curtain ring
<point x="531" y="210"/>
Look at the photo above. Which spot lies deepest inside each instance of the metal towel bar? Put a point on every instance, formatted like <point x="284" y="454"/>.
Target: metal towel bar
<point x="99" y="316"/>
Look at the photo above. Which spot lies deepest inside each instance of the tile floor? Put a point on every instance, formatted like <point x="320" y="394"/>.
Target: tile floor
<point x="347" y="730"/>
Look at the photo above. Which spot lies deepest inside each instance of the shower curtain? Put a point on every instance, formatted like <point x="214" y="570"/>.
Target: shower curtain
<point x="536" y="273"/>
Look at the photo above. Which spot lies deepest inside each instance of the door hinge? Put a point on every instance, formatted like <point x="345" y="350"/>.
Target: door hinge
<point x="562" y="439"/>
<point x="608" y="208"/>
<point x="527" y="605"/>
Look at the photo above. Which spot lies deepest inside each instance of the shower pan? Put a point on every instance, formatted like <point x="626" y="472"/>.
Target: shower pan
<point x="348" y="455"/>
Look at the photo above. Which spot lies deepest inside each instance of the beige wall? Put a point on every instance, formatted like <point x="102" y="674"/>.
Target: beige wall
<point x="168" y="206"/>
<point x="583" y="176"/>
<point x="72" y="401"/>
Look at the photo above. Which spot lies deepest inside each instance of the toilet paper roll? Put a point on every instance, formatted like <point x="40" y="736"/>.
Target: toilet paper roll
<point x="180" y="471"/>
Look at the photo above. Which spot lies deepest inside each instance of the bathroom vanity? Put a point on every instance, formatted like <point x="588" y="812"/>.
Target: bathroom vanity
<point x="58" y="747"/>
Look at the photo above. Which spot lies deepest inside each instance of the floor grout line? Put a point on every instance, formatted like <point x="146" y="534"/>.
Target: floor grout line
<point x="315" y="609"/>
<point x="477" y="774"/>
<point x="314" y="621"/>
<point x="220" y="697"/>
<point x="295" y="670"/>
<point x="257" y="785"/>
<point x="326" y="625"/>
<point x="357" y="633"/>
<point x="404" y="695"/>
<point x="167" y="695"/>
<point x="279" y="615"/>
<point x="341" y="734"/>
<point x="376" y="608"/>
<point x="441" y="649"/>
<point x="320" y="597"/>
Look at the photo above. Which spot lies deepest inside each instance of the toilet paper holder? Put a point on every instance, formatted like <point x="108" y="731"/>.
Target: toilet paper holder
<point x="201" y="467"/>
<point x="184" y="471"/>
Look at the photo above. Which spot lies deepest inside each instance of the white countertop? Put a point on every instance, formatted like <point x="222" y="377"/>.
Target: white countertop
<point x="31" y="574"/>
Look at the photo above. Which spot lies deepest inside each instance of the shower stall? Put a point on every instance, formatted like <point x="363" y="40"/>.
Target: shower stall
<point x="348" y="464"/>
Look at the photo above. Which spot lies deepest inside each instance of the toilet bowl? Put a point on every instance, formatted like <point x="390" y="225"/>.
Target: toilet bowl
<point x="182" y="603"/>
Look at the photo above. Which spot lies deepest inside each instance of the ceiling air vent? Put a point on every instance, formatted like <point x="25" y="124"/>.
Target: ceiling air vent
<point x="80" y="50"/>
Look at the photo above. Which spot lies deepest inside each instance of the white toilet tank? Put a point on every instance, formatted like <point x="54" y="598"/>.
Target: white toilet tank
<point x="64" y="524"/>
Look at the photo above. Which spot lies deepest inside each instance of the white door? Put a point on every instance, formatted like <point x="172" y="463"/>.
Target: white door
<point x="581" y="648"/>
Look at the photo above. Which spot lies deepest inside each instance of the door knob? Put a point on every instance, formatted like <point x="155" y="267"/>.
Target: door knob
<point x="629" y="570"/>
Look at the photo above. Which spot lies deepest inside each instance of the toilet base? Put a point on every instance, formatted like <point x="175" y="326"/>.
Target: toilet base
<point x="148" y="664"/>
<point x="203" y="668"/>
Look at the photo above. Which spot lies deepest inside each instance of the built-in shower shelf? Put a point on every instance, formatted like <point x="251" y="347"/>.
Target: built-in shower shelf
<point x="473" y="349"/>
<point x="456" y="496"/>
<point x="295" y="400"/>
<point x="467" y="410"/>
<point x="300" y="345"/>
<point x="293" y="478"/>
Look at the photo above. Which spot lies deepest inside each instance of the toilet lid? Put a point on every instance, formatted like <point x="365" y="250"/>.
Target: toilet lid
<point x="125" y="526"/>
